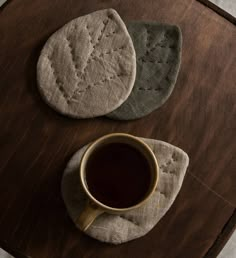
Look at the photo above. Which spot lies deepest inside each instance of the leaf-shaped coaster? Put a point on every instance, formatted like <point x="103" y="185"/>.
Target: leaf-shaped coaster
<point x="158" y="53"/>
<point x="88" y="67"/>
<point x="117" y="229"/>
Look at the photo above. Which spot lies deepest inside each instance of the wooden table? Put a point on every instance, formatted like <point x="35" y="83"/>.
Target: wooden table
<point x="36" y="142"/>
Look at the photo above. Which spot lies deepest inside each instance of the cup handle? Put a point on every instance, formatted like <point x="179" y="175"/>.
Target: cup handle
<point x="88" y="215"/>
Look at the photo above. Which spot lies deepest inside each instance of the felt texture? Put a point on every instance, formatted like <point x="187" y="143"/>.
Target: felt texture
<point x="87" y="68"/>
<point x="121" y="228"/>
<point x="158" y="53"/>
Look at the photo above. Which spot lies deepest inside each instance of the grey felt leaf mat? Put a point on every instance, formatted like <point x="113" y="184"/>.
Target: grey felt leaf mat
<point x="117" y="229"/>
<point x="158" y="55"/>
<point x="87" y="68"/>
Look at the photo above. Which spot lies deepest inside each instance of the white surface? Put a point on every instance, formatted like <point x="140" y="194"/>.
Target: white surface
<point x="4" y="254"/>
<point x="229" y="251"/>
<point x="1" y="3"/>
<point x="228" y="5"/>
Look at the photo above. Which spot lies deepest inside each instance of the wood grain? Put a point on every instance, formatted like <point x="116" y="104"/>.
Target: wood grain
<point x="36" y="142"/>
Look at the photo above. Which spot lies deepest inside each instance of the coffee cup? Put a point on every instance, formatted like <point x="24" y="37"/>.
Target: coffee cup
<point x="118" y="173"/>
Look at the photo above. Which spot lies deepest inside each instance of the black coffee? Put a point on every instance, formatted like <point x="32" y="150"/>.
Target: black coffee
<point x="118" y="175"/>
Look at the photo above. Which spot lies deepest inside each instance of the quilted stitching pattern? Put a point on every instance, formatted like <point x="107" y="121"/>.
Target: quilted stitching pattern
<point x="88" y="67"/>
<point x="158" y="52"/>
<point x="117" y="229"/>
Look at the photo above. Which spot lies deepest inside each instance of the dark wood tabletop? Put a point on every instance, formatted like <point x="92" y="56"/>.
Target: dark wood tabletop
<point x="36" y="142"/>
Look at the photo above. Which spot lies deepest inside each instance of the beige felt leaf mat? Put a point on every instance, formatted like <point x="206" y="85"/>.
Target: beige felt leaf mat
<point x="87" y="68"/>
<point x="116" y="229"/>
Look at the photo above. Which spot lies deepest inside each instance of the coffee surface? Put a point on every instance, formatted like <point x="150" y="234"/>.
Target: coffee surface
<point x="118" y="175"/>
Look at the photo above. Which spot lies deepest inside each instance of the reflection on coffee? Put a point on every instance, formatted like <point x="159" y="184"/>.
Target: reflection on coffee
<point x="118" y="175"/>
